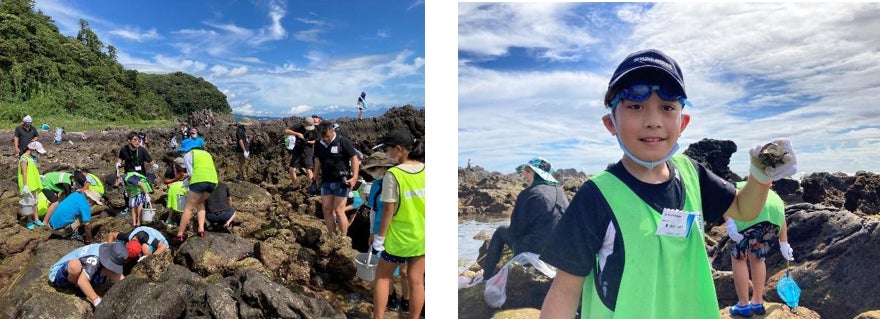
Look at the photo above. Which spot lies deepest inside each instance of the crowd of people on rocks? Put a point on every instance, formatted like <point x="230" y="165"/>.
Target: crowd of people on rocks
<point x="393" y="191"/>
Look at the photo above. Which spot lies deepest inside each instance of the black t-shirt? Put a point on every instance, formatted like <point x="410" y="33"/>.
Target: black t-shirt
<point x="335" y="158"/>
<point x="308" y="135"/>
<point x="218" y="202"/>
<point x="25" y="137"/>
<point x="580" y="233"/>
<point x="132" y="158"/>
<point x="241" y="135"/>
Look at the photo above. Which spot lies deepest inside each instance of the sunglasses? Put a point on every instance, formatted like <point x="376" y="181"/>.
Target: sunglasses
<point x="639" y="92"/>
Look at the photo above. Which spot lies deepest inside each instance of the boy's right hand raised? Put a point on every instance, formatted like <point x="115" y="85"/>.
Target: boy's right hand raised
<point x="765" y="174"/>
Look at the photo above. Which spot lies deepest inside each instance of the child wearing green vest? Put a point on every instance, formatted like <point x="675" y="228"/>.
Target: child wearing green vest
<point x="29" y="182"/>
<point x="750" y="247"/>
<point x="630" y="244"/>
<point x="401" y="234"/>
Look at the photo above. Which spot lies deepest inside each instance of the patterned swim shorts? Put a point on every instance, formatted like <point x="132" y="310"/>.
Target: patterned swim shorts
<point x="757" y="239"/>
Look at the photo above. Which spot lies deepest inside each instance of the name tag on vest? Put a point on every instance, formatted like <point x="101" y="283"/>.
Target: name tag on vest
<point x="334" y="150"/>
<point x="677" y="223"/>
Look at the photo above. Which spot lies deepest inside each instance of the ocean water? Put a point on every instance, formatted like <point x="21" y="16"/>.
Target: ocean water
<point x="468" y="247"/>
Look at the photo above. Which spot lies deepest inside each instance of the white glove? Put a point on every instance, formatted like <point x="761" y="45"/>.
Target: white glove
<point x="786" y="250"/>
<point x="96" y="302"/>
<point x="142" y="258"/>
<point x="378" y="243"/>
<point x="118" y="165"/>
<point x="246" y="154"/>
<point x="732" y="232"/>
<point x="25" y="190"/>
<point x="155" y="166"/>
<point x="765" y="174"/>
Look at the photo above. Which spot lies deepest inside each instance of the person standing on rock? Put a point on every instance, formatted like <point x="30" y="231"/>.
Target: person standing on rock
<point x="401" y="237"/>
<point x="749" y="248"/>
<point x="243" y="143"/>
<point x="631" y="243"/>
<point x="29" y="182"/>
<point x="337" y="164"/>
<point x="138" y="188"/>
<point x="133" y="158"/>
<point x="202" y="181"/>
<point x="174" y="176"/>
<point x="89" y="266"/>
<point x="537" y="210"/>
<point x="302" y="155"/>
<point x="24" y="135"/>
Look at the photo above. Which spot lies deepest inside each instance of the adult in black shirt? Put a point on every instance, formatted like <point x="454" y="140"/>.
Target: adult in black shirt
<point x="218" y="207"/>
<point x="24" y="134"/>
<point x="302" y="156"/>
<point x="337" y="163"/>
<point x="133" y="157"/>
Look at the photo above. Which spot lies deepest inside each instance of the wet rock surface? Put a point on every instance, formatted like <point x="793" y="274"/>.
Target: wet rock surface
<point x="276" y="261"/>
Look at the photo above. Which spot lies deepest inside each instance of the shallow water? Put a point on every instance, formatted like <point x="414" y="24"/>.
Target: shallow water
<point x="468" y="247"/>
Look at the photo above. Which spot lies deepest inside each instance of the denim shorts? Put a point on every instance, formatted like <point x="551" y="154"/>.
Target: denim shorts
<point x="202" y="187"/>
<point x="220" y="217"/>
<point x="62" y="282"/>
<point x="337" y="189"/>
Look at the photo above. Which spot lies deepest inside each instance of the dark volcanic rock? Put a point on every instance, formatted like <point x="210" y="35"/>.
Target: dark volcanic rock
<point x="826" y="188"/>
<point x="715" y="155"/>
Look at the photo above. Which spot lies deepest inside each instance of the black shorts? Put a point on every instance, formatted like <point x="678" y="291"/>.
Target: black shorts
<point x="51" y="195"/>
<point x="202" y="187"/>
<point x="301" y="158"/>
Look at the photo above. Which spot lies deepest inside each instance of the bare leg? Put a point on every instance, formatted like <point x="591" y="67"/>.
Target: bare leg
<point x="339" y="212"/>
<point x="327" y="210"/>
<point x="382" y="287"/>
<point x="416" y="279"/>
<point x="201" y="213"/>
<point x="192" y="202"/>
<point x="293" y="180"/>
<point x="759" y="277"/>
<point x="741" y="280"/>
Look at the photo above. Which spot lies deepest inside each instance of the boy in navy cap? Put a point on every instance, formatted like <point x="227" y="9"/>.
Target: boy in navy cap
<point x="630" y="244"/>
<point x="89" y="266"/>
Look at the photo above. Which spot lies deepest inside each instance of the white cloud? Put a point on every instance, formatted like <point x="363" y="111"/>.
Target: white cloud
<point x="752" y="75"/>
<point x="301" y="109"/>
<point x="134" y="34"/>
<point x="383" y="34"/>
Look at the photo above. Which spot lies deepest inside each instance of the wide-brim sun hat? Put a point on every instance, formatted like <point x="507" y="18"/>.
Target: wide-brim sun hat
<point x="188" y="144"/>
<point x="179" y="161"/>
<point x="246" y="121"/>
<point x="113" y="256"/>
<point x="541" y="167"/>
<point x="377" y="159"/>
<point x="651" y="61"/>
<point x="94" y="196"/>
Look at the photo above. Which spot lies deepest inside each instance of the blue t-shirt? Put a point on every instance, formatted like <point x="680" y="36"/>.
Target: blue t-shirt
<point x="68" y="209"/>
<point x="375" y="203"/>
<point x="88" y="255"/>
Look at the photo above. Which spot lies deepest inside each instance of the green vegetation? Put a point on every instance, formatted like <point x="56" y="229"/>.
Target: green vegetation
<point x="77" y="82"/>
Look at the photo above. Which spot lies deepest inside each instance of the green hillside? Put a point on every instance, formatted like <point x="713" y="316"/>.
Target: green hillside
<point x="76" y="82"/>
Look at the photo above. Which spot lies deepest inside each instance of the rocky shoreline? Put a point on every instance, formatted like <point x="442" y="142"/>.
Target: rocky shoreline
<point x="833" y="221"/>
<point x="278" y="260"/>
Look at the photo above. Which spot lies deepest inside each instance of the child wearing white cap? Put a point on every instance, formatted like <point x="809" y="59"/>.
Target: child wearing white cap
<point x="29" y="182"/>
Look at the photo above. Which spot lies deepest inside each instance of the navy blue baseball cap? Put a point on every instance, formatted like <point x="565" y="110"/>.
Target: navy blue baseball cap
<point x="651" y="64"/>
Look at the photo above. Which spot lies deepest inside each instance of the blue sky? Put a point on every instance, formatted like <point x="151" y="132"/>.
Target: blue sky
<point x="271" y="58"/>
<point x="531" y="79"/>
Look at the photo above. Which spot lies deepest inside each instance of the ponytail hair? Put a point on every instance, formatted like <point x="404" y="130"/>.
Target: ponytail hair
<point x="417" y="151"/>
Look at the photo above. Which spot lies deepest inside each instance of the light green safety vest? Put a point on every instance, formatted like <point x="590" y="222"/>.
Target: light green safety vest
<point x="174" y="189"/>
<point x="663" y="276"/>
<point x="33" y="175"/>
<point x="773" y="212"/>
<point x="203" y="168"/>
<point x="134" y="190"/>
<point x="98" y="186"/>
<point x="52" y="178"/>
<point x="406" y="234"/>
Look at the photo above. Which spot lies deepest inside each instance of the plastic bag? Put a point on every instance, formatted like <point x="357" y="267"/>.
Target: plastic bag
<point x="494" y="293"/>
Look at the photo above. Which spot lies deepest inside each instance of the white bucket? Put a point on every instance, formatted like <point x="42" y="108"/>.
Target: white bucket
<point x="366" y="271"/>
<point x="149" y="213"/>
<point x="27" y="210"/>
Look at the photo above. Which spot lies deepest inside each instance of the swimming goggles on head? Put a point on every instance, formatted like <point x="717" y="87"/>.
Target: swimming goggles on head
<point x="639" y="92"/>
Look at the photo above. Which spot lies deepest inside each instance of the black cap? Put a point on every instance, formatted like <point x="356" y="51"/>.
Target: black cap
<point x="112" y="256"/>
<point x="651" y="61"/>
<point x="394" y="138"/>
